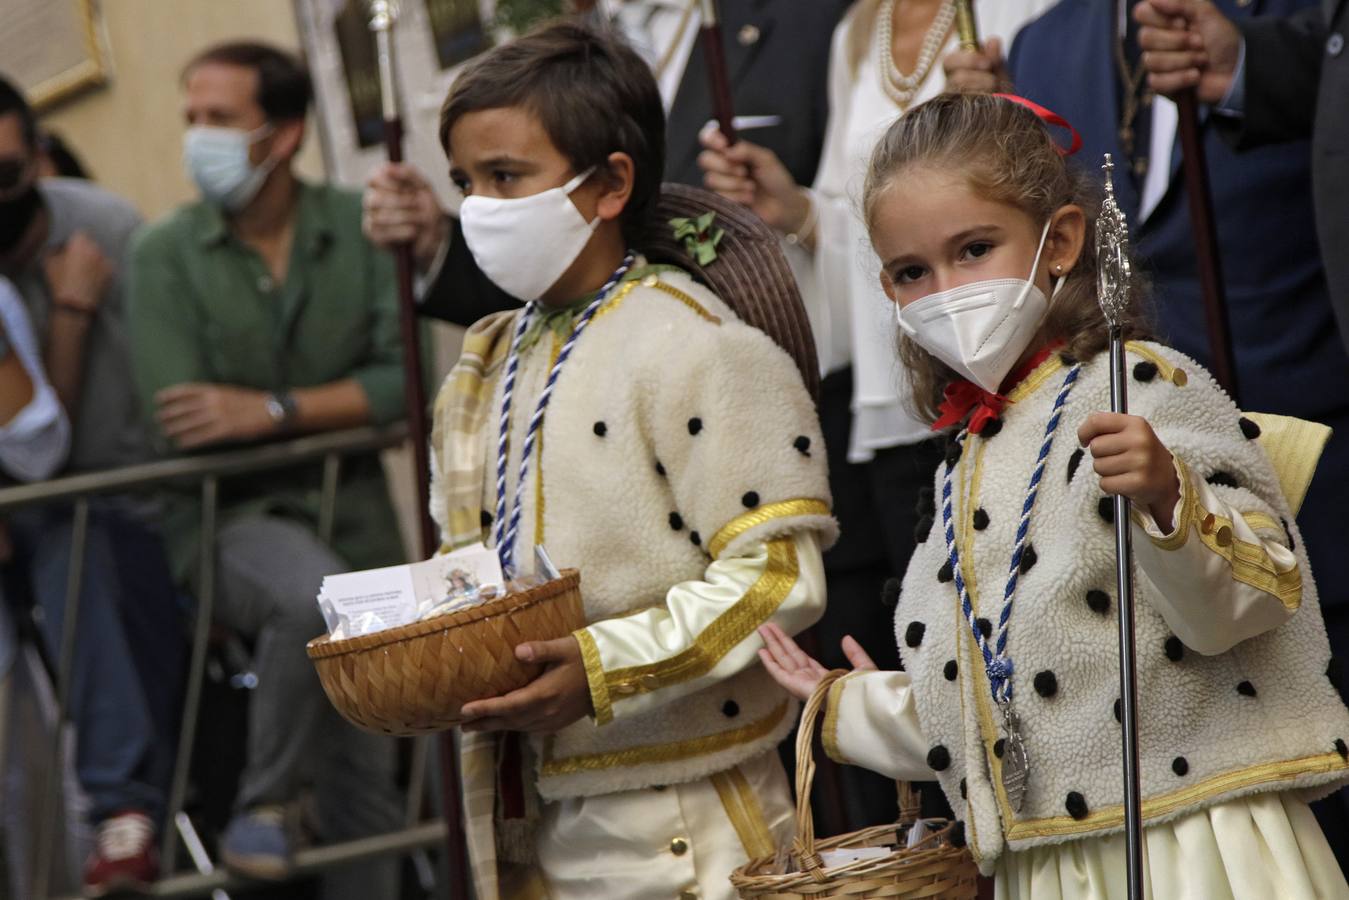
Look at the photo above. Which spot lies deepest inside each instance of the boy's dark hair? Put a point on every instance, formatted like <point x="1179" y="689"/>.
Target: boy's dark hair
<point x="592" y="93"/>
<point x="12" y="101"/>
<point x="284" y="89"/>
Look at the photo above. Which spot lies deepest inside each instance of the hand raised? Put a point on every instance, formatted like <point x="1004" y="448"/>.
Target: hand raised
<point x="78" y="273"/>
<point x="1188" y="44"/>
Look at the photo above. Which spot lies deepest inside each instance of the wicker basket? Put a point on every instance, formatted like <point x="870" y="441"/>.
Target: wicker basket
<point x="415" y="679"/>
<point x="930" y="869"/>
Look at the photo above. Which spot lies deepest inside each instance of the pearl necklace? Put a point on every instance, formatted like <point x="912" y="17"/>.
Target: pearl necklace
<point x="899" y="87"/>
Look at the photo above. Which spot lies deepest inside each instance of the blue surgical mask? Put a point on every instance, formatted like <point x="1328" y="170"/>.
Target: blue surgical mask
<point x="217" y="161"/>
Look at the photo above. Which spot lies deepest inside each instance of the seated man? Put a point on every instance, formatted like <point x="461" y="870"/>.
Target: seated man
<point x="260" y="312"/>
<point x="63" y="244"/>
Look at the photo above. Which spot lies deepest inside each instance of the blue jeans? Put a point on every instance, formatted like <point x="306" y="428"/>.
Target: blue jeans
<point x="126" y="685"/>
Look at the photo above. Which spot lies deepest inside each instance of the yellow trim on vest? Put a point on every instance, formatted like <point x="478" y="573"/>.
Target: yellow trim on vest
<point x="1164" y="368"/>
<point x="661" y="286"/>
<point x="1038" y="376"/>
<point x="723" y="633"/>
<point x="743" y="809"/>
<point x="662" y="753"/>
<point x="783" y="509"/>
<point x="538" y="458"/>
<point x="594" y="666"/>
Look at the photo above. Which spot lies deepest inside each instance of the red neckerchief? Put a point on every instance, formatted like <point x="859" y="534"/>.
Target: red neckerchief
<point x="961" y="396"/>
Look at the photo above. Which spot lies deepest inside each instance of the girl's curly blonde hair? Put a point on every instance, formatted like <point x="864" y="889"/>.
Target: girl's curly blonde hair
<point x="1008" y="156"/>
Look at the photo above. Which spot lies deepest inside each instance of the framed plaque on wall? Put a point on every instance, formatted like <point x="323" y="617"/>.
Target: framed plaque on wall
<point x="52" y="49"/>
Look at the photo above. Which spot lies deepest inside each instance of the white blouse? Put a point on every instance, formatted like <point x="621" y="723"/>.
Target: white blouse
<point x="852" y="318"/>
<point x="34" y="443"/>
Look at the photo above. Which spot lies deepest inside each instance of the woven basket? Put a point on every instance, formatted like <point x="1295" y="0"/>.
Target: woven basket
<point x="932" y="868"/>
<point x="415" y="679"/>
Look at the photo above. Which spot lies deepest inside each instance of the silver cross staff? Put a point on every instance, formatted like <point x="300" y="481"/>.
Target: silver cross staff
<point x="1113" y="288"/>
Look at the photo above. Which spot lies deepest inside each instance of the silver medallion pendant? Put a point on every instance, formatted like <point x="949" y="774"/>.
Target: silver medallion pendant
<point x="1015" y="762"/>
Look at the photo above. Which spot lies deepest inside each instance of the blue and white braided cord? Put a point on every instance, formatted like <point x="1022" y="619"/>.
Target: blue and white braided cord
<point x="506" y="532"/>
<point x="997" y="663"/>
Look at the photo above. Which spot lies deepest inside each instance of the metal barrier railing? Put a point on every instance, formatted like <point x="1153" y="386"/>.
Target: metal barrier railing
<point x="207" y="470"/>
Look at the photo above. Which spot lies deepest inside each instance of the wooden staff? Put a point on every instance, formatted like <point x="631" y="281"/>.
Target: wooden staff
<point x="383" y="14"/>
<point x="1205" y="229"/>
<point x="965" y="25"/>
<point x="717" y="79"/>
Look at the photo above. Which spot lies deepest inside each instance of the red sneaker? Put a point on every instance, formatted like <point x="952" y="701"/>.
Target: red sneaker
<point x="124" y="859"/>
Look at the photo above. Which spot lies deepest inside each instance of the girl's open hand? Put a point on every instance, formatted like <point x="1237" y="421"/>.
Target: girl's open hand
<point x="1133" y="461"/>
<point x="792" y="668"/>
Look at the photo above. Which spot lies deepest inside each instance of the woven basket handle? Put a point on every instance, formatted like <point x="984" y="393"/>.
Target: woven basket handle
<point x="803" y="847"/>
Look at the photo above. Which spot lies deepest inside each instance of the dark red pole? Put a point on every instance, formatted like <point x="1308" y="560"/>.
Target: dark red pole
<point x="722" y="106"/>
<point x="1204" y="225"/>
<point x="381" y="23"/>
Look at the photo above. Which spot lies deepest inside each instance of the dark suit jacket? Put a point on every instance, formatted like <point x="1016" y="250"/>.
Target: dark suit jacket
<point x="1289" y="357"/>
<point x="1297" y="85"/>
<point x="777" y="57"/>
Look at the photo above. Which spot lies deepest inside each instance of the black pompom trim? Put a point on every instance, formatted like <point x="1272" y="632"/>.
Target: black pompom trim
<point x="1028" y="559"/>
<point x="695" y="425"/>
<point x="1246" y="689"/>
<point x="1145" y="371"/>
<point x="965" y="791"/>
<point x="1076" y="805"/>
<point x="1046" y="683"/>
<point x="980" y="519"/>
<point x="1105" y="508"/>
<point x="600" y="429"/>
<point x="1225" y="479"/>
<point x="1117" y="717"/>
<point x="953" y="451"/>
<point x="999" y="747"/>
<point x="486" y="519"/>
<point x="730" y="709"/>
<point x="944" y="573"/>
<point x="991" y="429"/>
<point x="1341" y="748"/>
<point x="1249" y="428"/>
<point x="660" y="469"/>
<point x="939" y="759"/>
<point x="890" y="592"/>
<point x="695" y="538"/>
<point x="1180" y="766"/>
<point x="1073" y="462"/>
<point x="957" y="835"/>
<point x="676" y="521"/>
<point x="1098" y="602"/>
<point x="750" y="500"/>
<point x="1175" y="650"/>
<point x="913" y="635"/>
<point x="985" y="627"/>
<point x="922" y="529"/>
<point x="951" y="671"/>
<point x="802" y="445"/>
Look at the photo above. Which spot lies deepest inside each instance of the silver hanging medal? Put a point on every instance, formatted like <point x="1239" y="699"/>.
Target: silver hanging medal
<point x="1015" y="762"/>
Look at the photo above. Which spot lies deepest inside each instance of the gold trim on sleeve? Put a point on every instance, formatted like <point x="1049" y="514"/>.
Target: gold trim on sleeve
<point x="743" y="809"/>
<point x="1251" y="563"/>
<point x="599" y="688"/>
<point x="724" y="632"/>
<point x="1186" y="516"/>
<point x="829" y="734"/>
<point x="783" y="509"/>
<point x="664" y="753"/>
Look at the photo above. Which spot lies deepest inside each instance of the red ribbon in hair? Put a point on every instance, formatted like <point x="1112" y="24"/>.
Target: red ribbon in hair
<point x="1049" y="117"/>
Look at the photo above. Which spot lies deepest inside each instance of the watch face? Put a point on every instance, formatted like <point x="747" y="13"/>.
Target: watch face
<point x="275" y="410"/>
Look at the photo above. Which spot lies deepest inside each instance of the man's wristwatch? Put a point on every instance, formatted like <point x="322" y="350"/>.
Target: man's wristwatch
<point x="281" y="409"/>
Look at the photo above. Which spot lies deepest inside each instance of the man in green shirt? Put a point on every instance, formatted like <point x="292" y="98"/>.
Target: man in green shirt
<point x="258" y="313"/>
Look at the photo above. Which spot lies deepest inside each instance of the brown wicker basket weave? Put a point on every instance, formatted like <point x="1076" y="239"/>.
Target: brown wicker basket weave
<point x="416" y="678"/>
<point x="930" y="869"/>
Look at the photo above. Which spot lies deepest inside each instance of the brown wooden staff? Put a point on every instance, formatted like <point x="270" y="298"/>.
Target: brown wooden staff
<point x="715" y="51"/>
<point x="383" y="14"/>
<point x="1195" y="167"/>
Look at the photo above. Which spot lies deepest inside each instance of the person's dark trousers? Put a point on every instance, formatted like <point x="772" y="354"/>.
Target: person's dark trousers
<point x="875" y="504"/>
<point x="126" y="684"/>
<point x="1333" y="811"/>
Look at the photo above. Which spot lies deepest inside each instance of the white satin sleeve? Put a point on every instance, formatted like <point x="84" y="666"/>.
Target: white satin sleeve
<point x="871" y="721"/>
<point x="1224" y="573"/>
<point x="706" y="630"/>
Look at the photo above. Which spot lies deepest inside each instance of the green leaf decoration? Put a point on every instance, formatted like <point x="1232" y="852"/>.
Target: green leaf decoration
<point x="700" y="235"/>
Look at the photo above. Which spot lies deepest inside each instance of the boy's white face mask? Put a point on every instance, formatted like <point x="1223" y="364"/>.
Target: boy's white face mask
<point x="980" y="329"/>
<point x="526" y="244"/>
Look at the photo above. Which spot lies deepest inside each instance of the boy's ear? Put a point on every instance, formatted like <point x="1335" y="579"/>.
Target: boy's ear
<point x="1067" y="234"/>
<point x="616" y="180"/>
